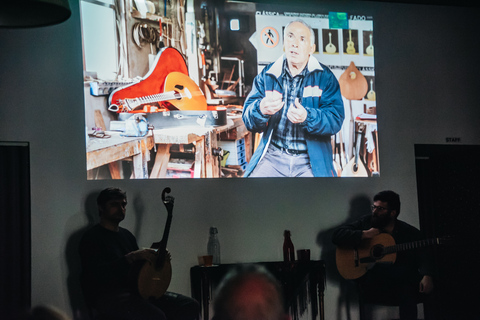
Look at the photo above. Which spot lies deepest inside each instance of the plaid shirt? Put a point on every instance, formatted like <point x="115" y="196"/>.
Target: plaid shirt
<point x="287" y="134"/>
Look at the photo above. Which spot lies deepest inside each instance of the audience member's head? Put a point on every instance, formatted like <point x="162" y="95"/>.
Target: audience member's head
<point x="249" y="292"/>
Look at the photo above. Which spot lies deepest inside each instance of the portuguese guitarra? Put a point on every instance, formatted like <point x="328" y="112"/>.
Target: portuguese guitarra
<point x="154" y="278"/>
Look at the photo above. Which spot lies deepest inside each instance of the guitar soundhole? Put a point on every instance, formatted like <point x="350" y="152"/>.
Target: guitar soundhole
<point x="179" y="87"/>
<point x="377" y="252"/>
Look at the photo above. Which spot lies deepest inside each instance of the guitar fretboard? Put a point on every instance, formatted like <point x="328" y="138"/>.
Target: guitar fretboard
<point x="171" y="95"/>
<point x="411" y="245"/>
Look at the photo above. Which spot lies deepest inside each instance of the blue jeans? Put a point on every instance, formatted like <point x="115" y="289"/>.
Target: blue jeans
<point x="277" y="163"/>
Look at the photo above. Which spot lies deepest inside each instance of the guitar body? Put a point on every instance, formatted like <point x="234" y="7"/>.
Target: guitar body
<point x="153" y="281"/>
<point x="353" y="83"/>
<point x="355" y="168"/>
<point x="330" y="48"/>
<point x="349" y="260"/>
<point x="192" y="96"/>
<point x="351" y="47"/>
<point x="169" y="74"/>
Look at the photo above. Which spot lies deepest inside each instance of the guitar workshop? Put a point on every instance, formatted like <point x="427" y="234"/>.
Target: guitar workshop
<point x="165" y="82"/>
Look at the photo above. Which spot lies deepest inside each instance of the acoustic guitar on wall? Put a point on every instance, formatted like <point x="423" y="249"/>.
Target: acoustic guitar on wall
<point x="350" y="44"/>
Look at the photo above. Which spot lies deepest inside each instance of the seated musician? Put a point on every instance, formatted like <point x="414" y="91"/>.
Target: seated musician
<point x="107" y="253"/>
<point x="249" y="292"/>
<point x="403" y="281"/>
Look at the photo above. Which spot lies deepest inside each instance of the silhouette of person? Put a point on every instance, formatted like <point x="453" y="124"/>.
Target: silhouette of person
<point x="359" y="206"/>
<point x="108" y="253"/>
<point x="249" y="292"/>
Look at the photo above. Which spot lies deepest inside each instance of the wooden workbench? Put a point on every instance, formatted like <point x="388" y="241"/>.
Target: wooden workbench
<point x="102" y="151"/>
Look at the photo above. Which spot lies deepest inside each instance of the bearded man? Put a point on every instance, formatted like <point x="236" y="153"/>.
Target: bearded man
<point x="404" y="281"/>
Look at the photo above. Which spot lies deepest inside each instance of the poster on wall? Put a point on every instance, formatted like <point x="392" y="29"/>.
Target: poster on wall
<point x="206" y="90"/>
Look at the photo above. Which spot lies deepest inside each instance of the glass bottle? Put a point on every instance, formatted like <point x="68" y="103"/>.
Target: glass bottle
<point x="213" y="246"/>
<point x="288" y="250"/>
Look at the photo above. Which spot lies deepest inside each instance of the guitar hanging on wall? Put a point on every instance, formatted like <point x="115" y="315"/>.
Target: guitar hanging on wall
<point x="154" y="278"/>
<point x="350" y="44"/>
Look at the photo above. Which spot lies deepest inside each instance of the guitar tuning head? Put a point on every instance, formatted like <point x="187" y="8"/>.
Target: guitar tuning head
<point x="166" y="190"/>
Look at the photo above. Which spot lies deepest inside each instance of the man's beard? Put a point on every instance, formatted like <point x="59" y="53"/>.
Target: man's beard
<point x="380" y="222"/>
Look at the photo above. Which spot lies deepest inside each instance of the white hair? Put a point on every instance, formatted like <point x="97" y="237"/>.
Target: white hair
<point x="312" y="34"/>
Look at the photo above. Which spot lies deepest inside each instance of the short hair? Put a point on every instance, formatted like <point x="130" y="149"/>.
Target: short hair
<point x="390" y="197"/>
<point x="312" y="33"/>
<point x="110" y="193"/>
<point x="249" y="292"/>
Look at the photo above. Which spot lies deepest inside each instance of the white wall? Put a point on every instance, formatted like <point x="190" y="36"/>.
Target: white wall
<point x="427" y="86"/>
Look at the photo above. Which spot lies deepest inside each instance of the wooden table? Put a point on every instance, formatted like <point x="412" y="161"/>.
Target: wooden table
<point x="204" y="139"/>
<point x="297" y="279"/>
<point x="102" y="151"/>
<point x="108" y="151"/>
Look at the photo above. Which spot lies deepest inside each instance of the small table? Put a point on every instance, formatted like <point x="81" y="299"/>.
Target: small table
<point x="300" y="281"/>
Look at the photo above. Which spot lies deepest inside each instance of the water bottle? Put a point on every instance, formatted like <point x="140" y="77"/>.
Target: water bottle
<point x="213" y="247"/>
<point x="288" y="250"/>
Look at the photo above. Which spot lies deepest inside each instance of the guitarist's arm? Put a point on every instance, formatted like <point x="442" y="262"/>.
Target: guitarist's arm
<point x="370" y="233"/>
<point x="426" y="285"/>
<point x="142" y="254"/>
<point x="351" y="234"/>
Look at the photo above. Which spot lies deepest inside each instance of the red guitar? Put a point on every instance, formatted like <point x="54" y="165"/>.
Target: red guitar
<point x="180" y="91"/>
<point x="166" y="84"/>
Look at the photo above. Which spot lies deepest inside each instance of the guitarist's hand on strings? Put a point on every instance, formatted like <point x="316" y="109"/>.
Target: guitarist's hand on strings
<point x="370" y="233"/>
<point x="142" y="254"/>
<point x="426" y="285"/>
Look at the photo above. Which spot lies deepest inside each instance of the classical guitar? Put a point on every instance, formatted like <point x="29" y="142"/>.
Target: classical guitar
<point x="350" y="44"/>
<point x="352" y="263"/>
<point x="154" y="278"/>
<point x="180" y="91"/>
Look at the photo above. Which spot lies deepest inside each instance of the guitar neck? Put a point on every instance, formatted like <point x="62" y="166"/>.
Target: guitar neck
<point x="171" y="95"/>
<point x="411" y="245"/>
<point x="163" y="243"/>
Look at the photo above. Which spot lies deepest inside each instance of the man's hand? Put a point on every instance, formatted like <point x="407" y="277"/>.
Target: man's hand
<point x="426" y="285"/>
<point x="271" y="103"/>
<point x="297" y="113"/>
<point x="142" y="254"/>
<point x="370" y="233"/>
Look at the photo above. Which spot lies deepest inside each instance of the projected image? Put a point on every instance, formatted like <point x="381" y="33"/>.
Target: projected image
<point x="202" y="89"/>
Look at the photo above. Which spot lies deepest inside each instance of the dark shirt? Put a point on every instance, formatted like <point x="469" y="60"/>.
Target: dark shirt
<point x="105" y="269"/>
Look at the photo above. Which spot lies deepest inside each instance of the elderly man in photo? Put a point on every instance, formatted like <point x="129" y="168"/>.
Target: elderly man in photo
<point x="296" y="103"/>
